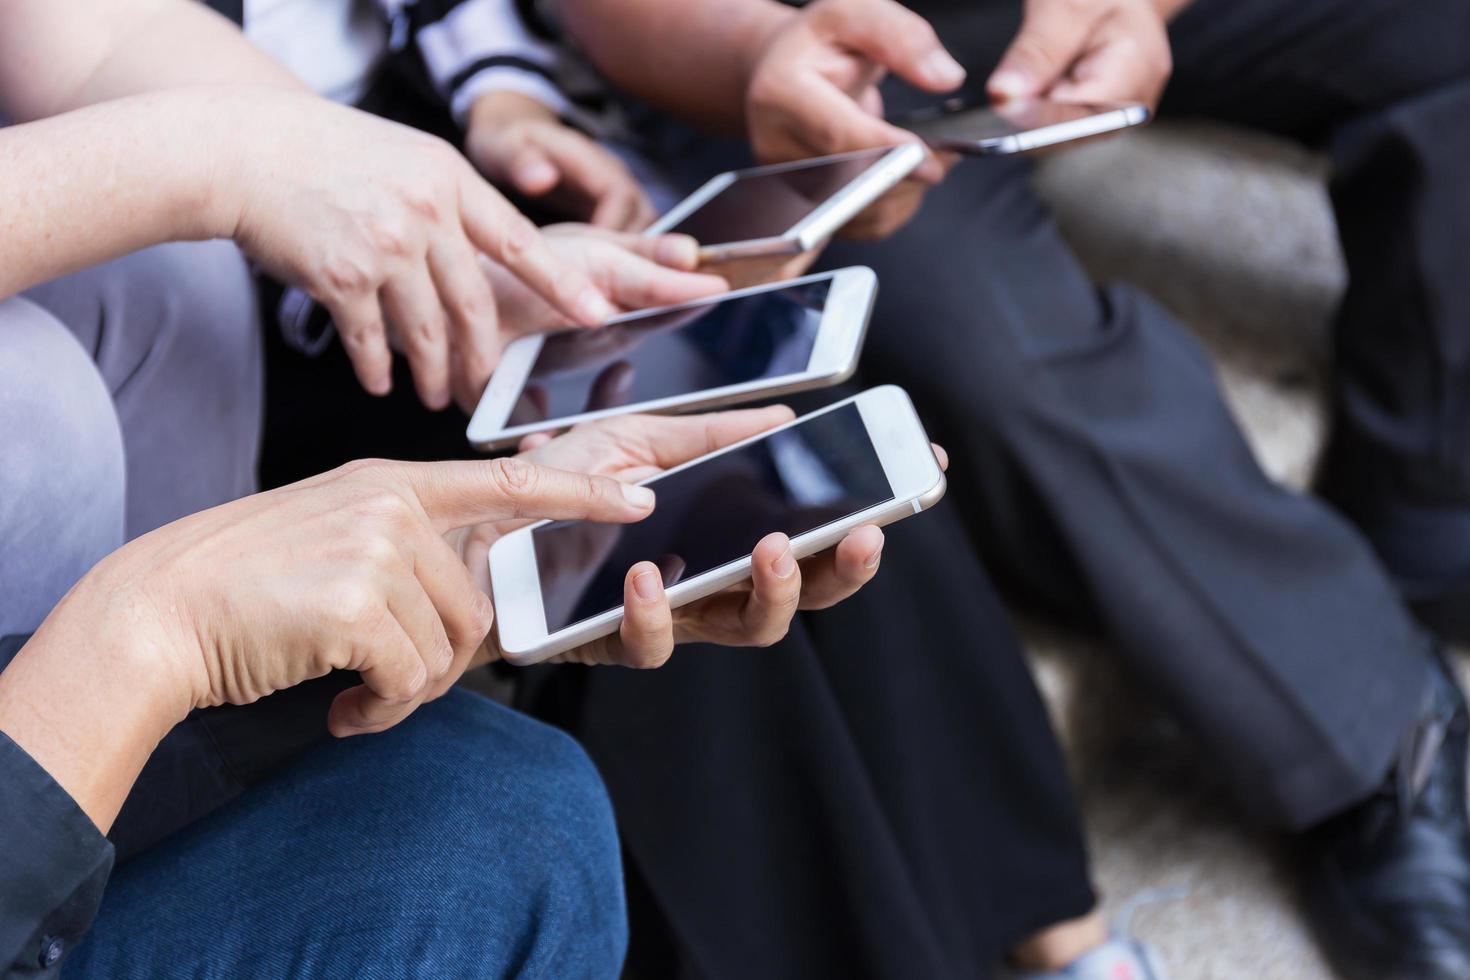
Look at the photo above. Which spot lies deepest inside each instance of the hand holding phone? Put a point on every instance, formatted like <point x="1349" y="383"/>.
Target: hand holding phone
<point x="974" y="126"/>
<point x="743" y="346"/>
<point x="632" y="448"/>
<point x="721" y="525"/>
<point x="786" y="208"/>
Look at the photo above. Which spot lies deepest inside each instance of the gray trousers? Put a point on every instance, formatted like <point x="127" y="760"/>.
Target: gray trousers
<point x="130" y="396"/>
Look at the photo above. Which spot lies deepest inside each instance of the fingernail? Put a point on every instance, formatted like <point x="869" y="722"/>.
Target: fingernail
<point x="647" y="586"/>
<point x="380" y="385"/>
<point x="539" y="175"/>
<point x="1009" y="83"/>
<point x="785" y="565"/>
<point x="874" y="558"/>
<point x="593" y="307"/>
<point x="677" y="252"/>
<point x="640" y="497"/>
<point x="943" y="69"/>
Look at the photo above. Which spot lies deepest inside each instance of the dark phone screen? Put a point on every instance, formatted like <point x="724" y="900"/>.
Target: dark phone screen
<point x="715" y="513"/>
<point x="763" y="335"/>
<point x="768" y="205"/>
<point x="968" y="117"/>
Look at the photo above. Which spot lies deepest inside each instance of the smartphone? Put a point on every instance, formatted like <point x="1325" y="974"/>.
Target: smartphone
<point x="789" y="207"/>
<point x="753" y="343"/>
<point x="864" y="460"/>
<point x="973" y="125"/>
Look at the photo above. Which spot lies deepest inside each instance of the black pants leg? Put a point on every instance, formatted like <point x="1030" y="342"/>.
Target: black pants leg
<point x="1384" y="86"/>
<point x="877" y="796"/>
<point x="1098" y="465"/>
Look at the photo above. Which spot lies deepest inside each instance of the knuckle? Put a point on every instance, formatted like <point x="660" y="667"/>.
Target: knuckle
<point x="353" y="604"/>
<point x="517" y="239"/>
<point x="382" y="506"/>
<point x="377" y="551"/>
<point x="346" y="274"/>
<point x="514" y="477"/>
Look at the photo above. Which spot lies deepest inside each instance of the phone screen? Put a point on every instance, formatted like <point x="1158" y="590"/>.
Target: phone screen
<point x="763" y="335"/>
<point x="767" y="205"/>
<point x="714" y="513"/>
<point x="969" y="118"/>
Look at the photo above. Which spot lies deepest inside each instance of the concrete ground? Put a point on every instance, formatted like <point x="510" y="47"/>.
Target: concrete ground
<point x="1235" y="235"/>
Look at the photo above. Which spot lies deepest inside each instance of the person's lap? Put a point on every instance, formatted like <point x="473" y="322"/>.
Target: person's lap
<point x="469" y="841"/>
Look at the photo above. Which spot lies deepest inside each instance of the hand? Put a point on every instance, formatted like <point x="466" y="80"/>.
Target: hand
<point x="384" y="225"/>
<point x="1088" y="51"/>
<point x="348" y="571"/>
<point x="814" y="91"/>
<point x="520" y="143"/>
<point x="755" y="613"/>
<point x="634" y="271"/>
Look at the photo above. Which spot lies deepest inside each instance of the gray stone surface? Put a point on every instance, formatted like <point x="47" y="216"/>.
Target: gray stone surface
<point x="1235" y="235"/>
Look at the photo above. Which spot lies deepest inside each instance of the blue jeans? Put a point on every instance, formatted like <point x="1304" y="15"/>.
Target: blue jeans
<point x="469" y="841"/>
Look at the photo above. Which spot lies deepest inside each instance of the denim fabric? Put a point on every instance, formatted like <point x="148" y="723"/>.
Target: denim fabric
<point x="470" y="841"/>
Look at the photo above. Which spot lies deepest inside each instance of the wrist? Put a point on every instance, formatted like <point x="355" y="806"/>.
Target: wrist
<point x="499" y="107"/>
<point x="764" y="22"/>
<point x="90" y="696"/>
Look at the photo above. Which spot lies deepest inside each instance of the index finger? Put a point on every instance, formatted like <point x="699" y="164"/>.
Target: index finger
<point x="504" y="234"/>
<point x="672" y="440"/>
<point x="463" y="492"/>
<point x="896" y="38"/>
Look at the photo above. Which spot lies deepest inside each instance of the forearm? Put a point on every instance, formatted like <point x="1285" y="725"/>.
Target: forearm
<point x="88" y="699"/>
<point x="692" y="58"/>
<point x="110" y="179"/>
<point x="57" y="55"/>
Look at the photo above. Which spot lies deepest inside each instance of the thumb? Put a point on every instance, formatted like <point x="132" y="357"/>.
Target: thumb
<point x="895" y="38"/>
<point x="460" y="493"/>
<point x="1050" y="40"/>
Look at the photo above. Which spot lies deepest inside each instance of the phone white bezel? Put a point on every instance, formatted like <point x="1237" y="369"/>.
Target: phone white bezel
<point x="1107" y="119"/>
<point x="834" y="358"/>
<point x="903" y="448"/>
<point x="819" y="224"/>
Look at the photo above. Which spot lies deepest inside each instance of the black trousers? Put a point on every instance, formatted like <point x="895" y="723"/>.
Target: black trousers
<point x="1093" y="456"/>
<point x="879" y="795"/>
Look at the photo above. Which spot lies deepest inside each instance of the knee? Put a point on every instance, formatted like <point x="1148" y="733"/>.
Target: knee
<point x="207" y="313"/>
<point x="61" y="491"/>
<point x="529" y="830"/>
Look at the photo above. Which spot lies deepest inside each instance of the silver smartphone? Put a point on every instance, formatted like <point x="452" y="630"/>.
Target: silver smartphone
<point x="864" y="460"/>
<point x="966" y="124"/>
<point x="752" y="343"/>
<point x="789" y="207"/>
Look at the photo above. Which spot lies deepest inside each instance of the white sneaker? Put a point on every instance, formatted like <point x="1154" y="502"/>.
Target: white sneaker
<point x="1120" y="958"/>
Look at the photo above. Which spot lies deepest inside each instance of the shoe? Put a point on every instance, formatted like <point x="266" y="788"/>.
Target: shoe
<point x="1388" y="882"/>
<point x="1120" y="958"/>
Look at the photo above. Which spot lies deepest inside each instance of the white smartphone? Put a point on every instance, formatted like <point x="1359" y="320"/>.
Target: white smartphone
<point x="974" y="126"/>
<point x="789" y="207"/>
<point x="864" y="460"/>
<point x="753" y="343"/>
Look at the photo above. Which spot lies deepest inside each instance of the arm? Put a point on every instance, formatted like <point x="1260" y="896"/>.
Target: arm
<point x="693" y="58"/>
<point x="107" y="180"/>
<point x="57" y="56"/>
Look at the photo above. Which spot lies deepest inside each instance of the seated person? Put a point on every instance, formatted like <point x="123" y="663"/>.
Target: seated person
<point x="1102" y="473"/>
<point x="110" y="711"/>
<point x="729" y="774"/>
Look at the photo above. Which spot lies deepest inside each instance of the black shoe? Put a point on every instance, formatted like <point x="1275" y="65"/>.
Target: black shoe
<point x="1388" y="882"/>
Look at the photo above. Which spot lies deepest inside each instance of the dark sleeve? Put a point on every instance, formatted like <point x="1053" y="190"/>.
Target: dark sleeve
<point x="214" y="754"/>
<point x="53" y="866"/>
